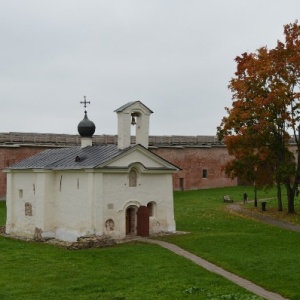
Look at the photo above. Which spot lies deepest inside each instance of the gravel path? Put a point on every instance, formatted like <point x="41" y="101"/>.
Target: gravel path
<point x="248" y="285"/>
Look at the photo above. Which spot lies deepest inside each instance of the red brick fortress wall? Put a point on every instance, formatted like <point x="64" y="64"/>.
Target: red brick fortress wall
<point x="201" y="167"/>
<point x="10" y="155"/>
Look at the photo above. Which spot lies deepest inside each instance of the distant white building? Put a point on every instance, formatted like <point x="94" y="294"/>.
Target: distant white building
<point x="113" y="190"/>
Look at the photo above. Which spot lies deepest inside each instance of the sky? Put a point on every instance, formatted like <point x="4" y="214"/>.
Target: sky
<point x="175" y="56"/>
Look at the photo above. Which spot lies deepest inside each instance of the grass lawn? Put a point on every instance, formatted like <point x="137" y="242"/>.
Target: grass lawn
<point x="264" y="254"/>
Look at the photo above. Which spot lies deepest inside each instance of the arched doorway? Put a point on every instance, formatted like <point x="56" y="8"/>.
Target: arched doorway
<point x="131" y="220"/>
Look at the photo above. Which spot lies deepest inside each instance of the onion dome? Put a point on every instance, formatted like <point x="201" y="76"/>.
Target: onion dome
<point x="86" y="127"/>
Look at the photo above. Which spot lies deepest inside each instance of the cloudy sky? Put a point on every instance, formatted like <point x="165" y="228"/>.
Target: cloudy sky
<point x="176" y="56"/>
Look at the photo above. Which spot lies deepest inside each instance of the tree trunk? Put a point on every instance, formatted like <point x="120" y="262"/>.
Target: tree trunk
<point x="290" y="198"/>
<point x="279" y="197"/>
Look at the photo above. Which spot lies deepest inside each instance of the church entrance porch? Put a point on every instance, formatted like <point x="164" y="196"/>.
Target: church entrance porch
<point x="137" y="221"/>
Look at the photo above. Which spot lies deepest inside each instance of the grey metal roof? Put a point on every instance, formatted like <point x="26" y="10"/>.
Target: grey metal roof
<point x="70" y="158"/>
<point x="124" y="106"/>
<point x="129" y="104"/>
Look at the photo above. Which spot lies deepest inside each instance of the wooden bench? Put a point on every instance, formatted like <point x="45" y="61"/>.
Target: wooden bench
<point x="227" y="199"/>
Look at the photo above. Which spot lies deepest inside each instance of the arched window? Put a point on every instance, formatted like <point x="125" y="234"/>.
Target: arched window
<point x="132" y="178"/>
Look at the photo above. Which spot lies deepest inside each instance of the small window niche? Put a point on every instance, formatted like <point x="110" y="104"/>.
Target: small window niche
<point x="20" y="194"/>
<point x="204" y="173"/>
<point x="110" y="206"/>
<point x="181" y="184"/>
<point x="132" y="178"/>
<point x="152" y="209"/>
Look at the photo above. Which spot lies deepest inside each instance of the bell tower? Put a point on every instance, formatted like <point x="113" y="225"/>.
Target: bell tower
<point x="133" y="114"/>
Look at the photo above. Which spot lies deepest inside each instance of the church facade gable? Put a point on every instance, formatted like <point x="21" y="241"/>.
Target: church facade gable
<point x="140" y="155"/>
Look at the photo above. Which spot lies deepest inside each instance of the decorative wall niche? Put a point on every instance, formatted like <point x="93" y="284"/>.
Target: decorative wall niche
<point x="28" y="209"/>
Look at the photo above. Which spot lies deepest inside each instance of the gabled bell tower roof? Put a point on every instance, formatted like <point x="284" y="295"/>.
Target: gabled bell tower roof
<point x="132" y="103"/>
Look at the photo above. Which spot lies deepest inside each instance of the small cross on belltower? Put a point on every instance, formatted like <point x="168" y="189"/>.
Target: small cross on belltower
<point x="85" y="102"/>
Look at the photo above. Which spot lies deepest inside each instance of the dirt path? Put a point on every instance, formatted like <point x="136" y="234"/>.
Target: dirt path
<point x="241" y="210"/>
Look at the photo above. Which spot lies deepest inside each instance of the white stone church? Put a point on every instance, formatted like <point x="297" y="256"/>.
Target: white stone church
<point x="113" y="190"/>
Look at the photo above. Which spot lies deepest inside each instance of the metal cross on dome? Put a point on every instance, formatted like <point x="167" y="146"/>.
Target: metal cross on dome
<point x="85" y="102"/>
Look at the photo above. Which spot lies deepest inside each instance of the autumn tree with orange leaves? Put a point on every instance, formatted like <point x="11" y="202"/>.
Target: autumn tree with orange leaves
<point x="265" y="116"/>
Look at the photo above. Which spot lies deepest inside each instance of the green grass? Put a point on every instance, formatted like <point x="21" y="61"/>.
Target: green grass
<point x="264" y="254"/>
<point x="130" y="271"/>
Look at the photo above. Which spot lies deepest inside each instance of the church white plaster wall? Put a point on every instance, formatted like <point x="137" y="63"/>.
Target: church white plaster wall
<point x="73" y="205"/>
<point x="97" y="213"/>
<point x="142" y="130"/>
<point x="124" y="130"/>
<point x="21" y="193"/>
<point x="86" y="141"/>
<point x="46" y="209"/>
<point x="167" y="205"/>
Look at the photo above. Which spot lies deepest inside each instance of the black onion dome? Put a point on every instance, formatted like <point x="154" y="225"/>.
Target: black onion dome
<point x="86" y="127"/>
